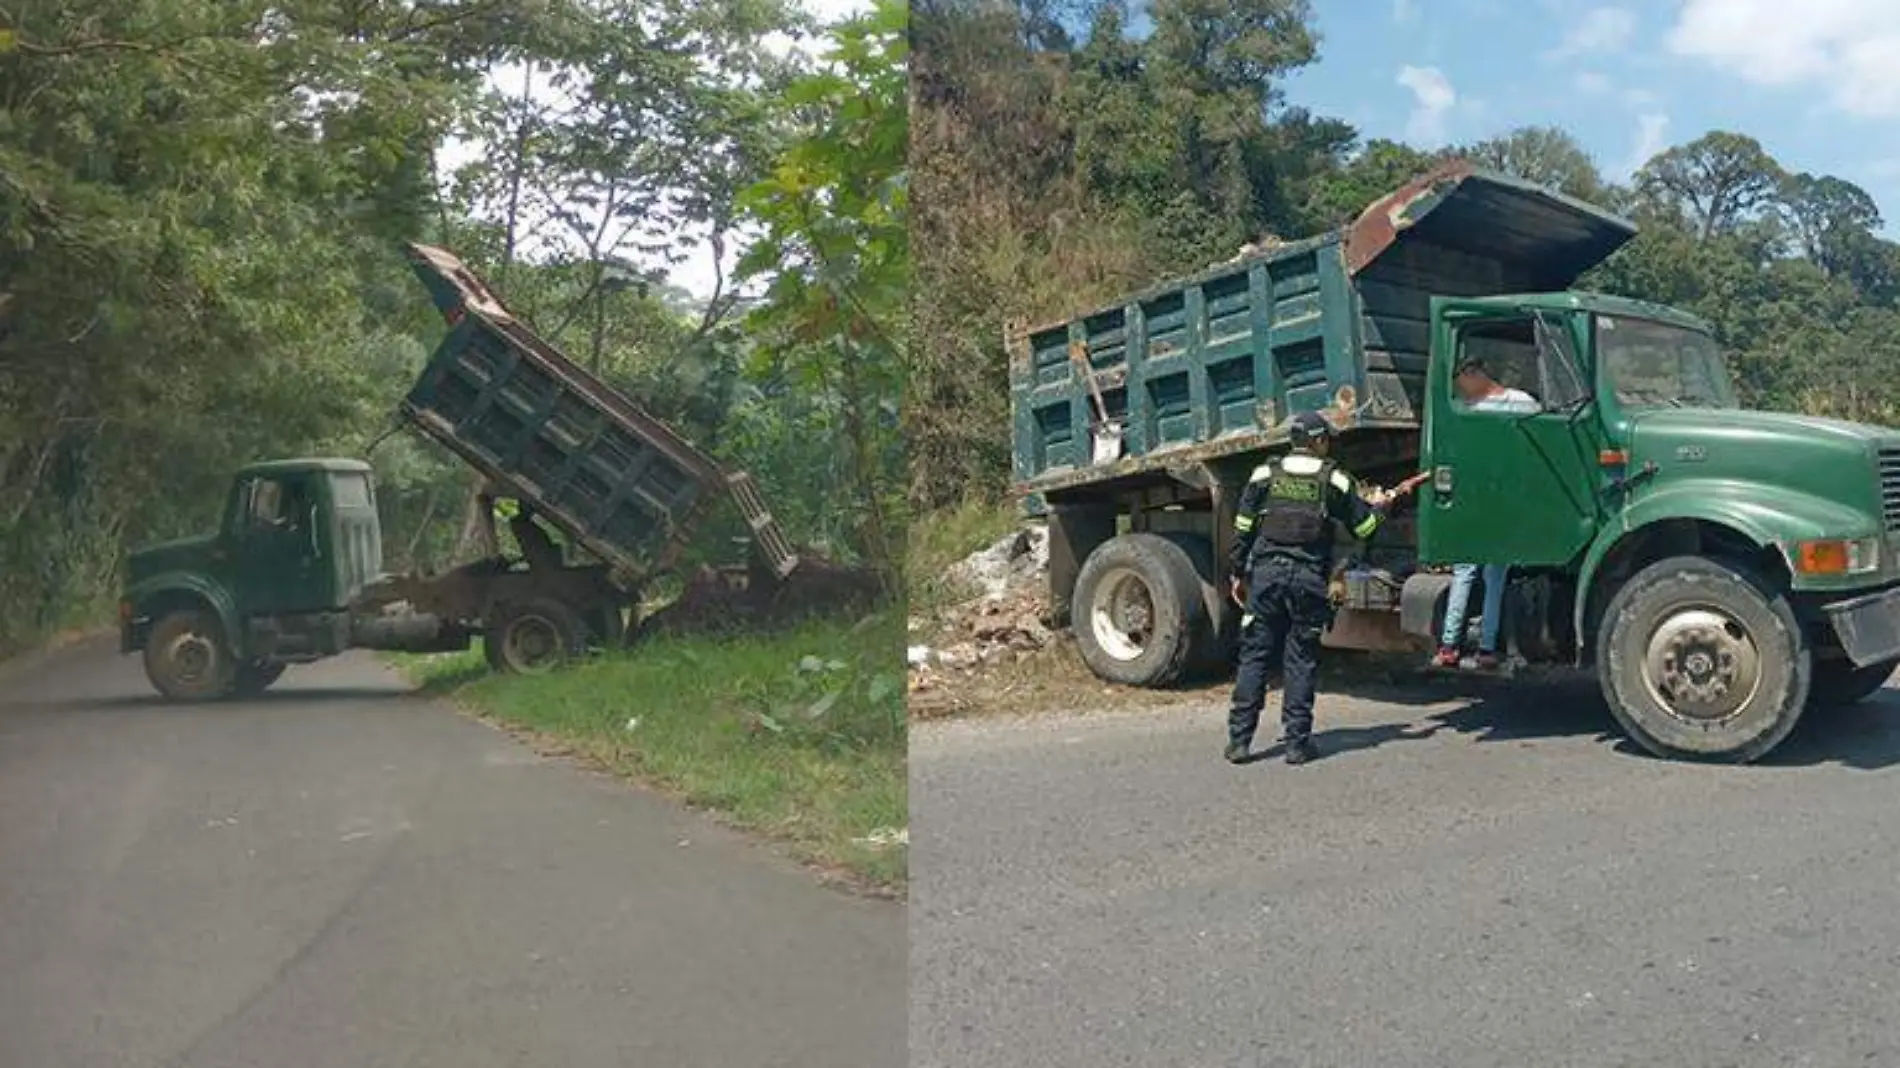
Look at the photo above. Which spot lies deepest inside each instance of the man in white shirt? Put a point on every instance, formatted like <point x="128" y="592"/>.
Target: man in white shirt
<point x="1480" y="393"/>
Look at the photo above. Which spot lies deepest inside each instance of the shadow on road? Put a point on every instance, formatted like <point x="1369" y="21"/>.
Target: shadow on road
<point x="1864" y="736"/>
<point x="152" y="702"/>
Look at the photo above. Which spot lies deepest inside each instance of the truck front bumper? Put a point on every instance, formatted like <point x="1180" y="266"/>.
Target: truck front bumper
<point x="1868" y="626"/>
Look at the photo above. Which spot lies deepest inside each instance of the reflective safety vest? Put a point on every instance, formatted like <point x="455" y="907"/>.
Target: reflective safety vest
<point x="1294" y="511"/>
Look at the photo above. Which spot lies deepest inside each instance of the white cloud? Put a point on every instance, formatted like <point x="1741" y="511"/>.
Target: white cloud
<point x="1848" y="48"/>
<point x="1592" y="83"/>
<point x="1652" y="136"/>
<point x="1601" y="29"/>
<point x="1641" y="98"/>
<point x="1433" y="99"/>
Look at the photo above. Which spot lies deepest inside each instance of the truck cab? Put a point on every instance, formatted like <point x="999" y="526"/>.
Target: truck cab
<point x="299" y="541"/>
<point x="1720" y="567"/>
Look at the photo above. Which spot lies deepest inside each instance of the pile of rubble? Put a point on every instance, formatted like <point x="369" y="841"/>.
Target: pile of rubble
<point x="1006" y="620"/>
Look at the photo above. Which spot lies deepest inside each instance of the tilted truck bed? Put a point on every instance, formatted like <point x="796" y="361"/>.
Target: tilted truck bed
<point x="1211" y="365"/>
<point x="607" y="474"/>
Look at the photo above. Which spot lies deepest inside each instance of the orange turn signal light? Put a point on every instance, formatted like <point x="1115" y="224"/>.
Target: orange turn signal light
<point x="1823" y="557"/>
<point x="1612" y="458"/>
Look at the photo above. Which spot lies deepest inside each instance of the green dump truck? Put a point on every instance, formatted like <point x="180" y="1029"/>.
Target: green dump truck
<point x="1720" y="569"/>
<point x="294" y="574"/>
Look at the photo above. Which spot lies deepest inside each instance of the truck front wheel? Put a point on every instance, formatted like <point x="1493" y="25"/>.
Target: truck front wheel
<point x="187" y="657"/>
<point x="1137" y="614"/>
<point x="535" y="637"/>
<point x="1698" y="659"/>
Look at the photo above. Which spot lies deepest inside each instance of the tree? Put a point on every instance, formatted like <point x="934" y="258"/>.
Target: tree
<point x="1542" y="154"/>
<point x="1336" y="198"/>
<point x="649" y="120"/>
<point x="1718" y="181"/>
<point x="1835" y="222"/>
<point x="833" y="320"/>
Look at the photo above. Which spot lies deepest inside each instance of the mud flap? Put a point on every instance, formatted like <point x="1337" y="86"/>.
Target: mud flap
<point x="1868" y="627"/>
<point x="1422" y="604"/>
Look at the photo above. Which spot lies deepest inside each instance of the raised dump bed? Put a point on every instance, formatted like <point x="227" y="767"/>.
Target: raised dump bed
<point x="545" y="429"/>
<point x="1211" y="365"/>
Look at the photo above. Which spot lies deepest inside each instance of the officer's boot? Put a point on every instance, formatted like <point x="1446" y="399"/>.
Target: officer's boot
<point x="1236" y="752"/>
<point x="1300" y="750"/>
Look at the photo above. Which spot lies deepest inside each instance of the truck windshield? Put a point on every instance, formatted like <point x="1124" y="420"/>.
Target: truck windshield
<point x="1656" y="365"/>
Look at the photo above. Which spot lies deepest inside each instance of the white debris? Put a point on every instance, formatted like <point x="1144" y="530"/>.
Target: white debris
<point x="1011" y="562"/>
<point x="885" y="838"/>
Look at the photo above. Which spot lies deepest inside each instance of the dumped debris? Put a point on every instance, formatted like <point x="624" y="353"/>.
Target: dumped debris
<point x="1018" y="560"/>
<point x="752" y="599"/>
<point x="1007" y="621"/>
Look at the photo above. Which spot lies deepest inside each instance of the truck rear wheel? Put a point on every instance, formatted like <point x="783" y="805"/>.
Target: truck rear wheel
<point x="1839" y="682"/>
<point x="187" y="657"/>
<point x="1698" y="659"/>
<point x="534" y="637"/>
<point x="1138" y="614"/>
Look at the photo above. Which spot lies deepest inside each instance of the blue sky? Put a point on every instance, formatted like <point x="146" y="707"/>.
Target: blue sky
<point x="1816" y="81"/>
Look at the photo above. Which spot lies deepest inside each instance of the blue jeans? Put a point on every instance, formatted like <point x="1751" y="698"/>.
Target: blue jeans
<point x="1462" y="576"/>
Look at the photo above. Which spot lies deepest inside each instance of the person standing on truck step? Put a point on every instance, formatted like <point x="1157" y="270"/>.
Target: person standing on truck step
<point x="1281" y="556"/>
<point x="1480" y="392"/>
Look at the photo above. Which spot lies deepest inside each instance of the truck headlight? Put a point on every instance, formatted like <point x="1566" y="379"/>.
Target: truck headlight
<point x="1837" y="556"/>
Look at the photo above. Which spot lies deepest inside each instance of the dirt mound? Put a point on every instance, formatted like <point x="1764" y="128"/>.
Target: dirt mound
<point x="751" y="600"/>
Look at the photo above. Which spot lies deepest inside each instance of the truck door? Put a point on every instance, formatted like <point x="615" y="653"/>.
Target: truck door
<point x="279" y="550"/>
<point x="1509" y="486"/>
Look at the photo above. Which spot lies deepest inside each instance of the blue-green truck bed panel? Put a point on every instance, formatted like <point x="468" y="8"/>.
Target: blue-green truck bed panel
<point x="535" y="423"/>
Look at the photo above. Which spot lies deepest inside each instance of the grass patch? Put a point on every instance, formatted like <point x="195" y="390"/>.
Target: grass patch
<point x="941" y="539"/>
<point x="800" y="735"/>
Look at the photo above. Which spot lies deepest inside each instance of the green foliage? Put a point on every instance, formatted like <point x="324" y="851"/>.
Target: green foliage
<point x="799" y="735"/>
<point x="1543" y="154"/>
<point x="831" y="326"/>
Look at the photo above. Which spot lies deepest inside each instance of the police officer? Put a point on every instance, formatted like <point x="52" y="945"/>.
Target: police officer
<point x="1281" y="557"/>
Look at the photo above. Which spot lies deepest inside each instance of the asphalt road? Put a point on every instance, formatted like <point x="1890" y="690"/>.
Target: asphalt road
<point x="340" y="874"/>
<point x="1467" y="883"/>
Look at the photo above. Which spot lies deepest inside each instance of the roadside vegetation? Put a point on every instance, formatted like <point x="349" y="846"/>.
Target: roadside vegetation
<point x="798" y="735"/>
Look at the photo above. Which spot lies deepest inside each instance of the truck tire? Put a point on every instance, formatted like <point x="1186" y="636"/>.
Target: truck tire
<point x="1214" y="653"/>
<point x="187" y="657"/>
<point x="1138" y="613"/>
<point x="256" y="677"/>
<point x="1698" y="659"/>
<point x="534" y="637"/>
<point x="1839" y="682"/>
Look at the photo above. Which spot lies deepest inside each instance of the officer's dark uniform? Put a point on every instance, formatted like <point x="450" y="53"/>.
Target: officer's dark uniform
<point x="1282" y="552"/>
